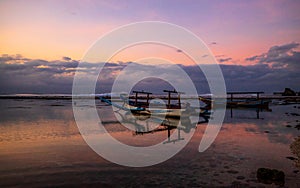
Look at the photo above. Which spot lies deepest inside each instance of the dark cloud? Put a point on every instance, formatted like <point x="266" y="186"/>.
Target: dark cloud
<point x="275" y="50"/>
<point x="66" y="58"/>
<point x="283" y="56"/>
<point x="213" y="43"/>
<point x="222" y="60"/>
<point x="253" y="58"/>
<point x="22" y="75"/>
<point x="16" y="58"/>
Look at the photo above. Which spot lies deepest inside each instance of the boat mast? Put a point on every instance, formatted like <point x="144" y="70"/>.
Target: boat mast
<point x="141" y="92"/>
<point x="169" y="97"/>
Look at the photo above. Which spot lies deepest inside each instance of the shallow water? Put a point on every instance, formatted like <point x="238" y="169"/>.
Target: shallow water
<point x="40" y="146"/>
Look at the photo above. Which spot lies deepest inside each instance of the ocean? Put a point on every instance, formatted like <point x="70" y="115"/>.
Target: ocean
<point x="41" y="146"/>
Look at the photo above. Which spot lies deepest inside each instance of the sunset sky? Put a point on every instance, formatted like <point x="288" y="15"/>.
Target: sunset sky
<point x="241" y="34"/>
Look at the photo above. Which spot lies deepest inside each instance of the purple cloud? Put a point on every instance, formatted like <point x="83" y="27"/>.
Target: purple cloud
<point x="283" y="56"/>
<point x="23" y="75"/>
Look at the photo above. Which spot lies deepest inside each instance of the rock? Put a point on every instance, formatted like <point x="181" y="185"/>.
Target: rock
<point x="291" y="158"/>
<point x="269" y="176"/>
<point x="295" y="114"/>
<point x="295" y="148"/>
<point x="288" y="92"/>
<point x="240" y="177"/>
<point x="288" y="126"/>
<point x="232" y="171"/>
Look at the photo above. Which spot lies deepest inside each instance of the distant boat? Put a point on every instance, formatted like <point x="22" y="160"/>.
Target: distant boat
<point x="245" y="102"/>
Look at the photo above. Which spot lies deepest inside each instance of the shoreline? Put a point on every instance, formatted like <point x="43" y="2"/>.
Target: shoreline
<point x="69" y="97"/>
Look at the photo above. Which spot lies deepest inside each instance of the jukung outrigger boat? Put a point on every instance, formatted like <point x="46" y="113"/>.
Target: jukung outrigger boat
<point x="256" y="102"/>
<point x="140" y="105"/>
<point x="144" y="116"/>
<point x="243" y="102"/>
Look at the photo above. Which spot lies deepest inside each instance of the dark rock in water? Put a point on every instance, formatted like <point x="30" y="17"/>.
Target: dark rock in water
<point x="288" y="92"/>
<point x="240" y="177"/>
<point x="291" y="158"/>
<point x="232" y="171"/>
<point x="295" y="149"/>
<point x="269" y="176"/>
<point x="267" y="131"/>
<point x="295" y="114"/>
<point x="296" y="171"/>
<point x="288" y="126"/>
<point x="297" y="126"/>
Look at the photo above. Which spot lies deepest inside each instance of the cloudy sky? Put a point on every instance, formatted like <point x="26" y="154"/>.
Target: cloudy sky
<point x="41" y="42"/>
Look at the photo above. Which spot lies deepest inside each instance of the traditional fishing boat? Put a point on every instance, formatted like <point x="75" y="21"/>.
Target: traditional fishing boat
<point x="244" y="102"/>
<point x="140" y="105"/>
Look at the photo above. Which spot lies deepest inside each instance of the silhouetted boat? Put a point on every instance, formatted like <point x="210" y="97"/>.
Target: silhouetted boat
<point x="157" y="109"/>
<point x="244" y="102"/>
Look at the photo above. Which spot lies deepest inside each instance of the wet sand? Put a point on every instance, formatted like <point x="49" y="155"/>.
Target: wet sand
<point x="40" y="146"/>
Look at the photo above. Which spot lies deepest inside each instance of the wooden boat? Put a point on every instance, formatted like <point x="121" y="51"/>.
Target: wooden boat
<point x="137" y="106"/>
<point x="234" y="103"/>
<point x="256" y="102"/>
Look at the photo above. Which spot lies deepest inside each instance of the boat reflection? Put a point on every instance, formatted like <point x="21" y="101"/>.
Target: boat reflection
<point x="247" y="110"/>
<point x="143" y="124"/>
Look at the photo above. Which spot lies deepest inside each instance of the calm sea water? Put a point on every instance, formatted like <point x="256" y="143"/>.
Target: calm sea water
<point x="40" y="146"/>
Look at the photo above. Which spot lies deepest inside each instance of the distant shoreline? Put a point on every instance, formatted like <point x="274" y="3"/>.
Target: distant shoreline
<point x="69" y="97"/>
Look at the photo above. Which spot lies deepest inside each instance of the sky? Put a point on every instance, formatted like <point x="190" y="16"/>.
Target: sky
<point x="255" y="42"/>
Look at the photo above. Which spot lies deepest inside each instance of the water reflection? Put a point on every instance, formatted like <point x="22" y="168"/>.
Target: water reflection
<point x="257" y="110"/>
<point x="147" y="124"/>
<point x="40" y="145"/>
